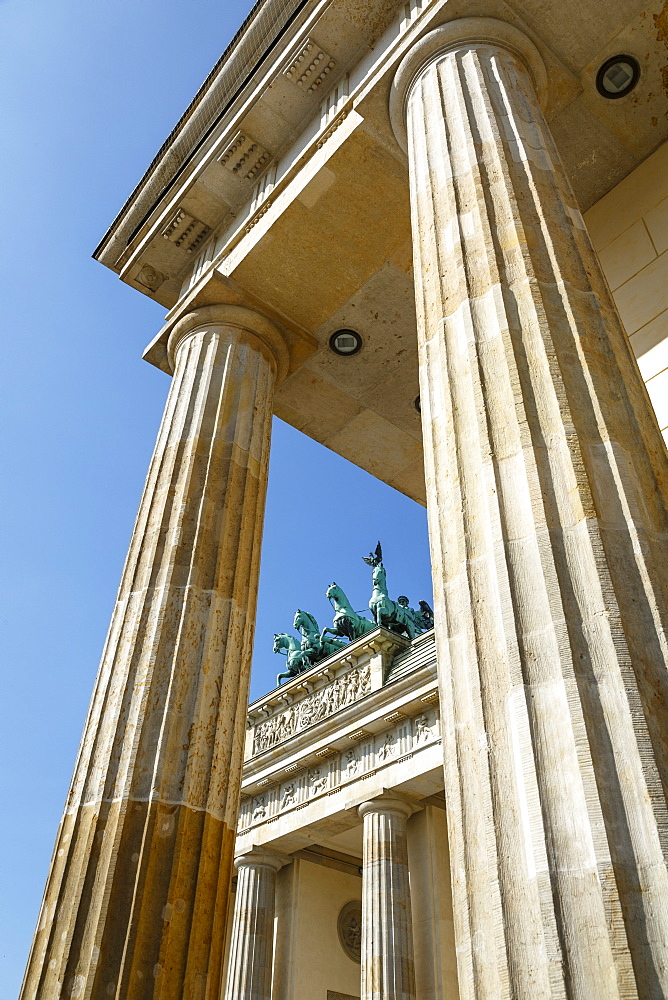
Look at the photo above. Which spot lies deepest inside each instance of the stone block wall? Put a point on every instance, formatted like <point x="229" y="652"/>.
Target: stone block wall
<point x="629" y="230"/>
<point x="309" y="960"/>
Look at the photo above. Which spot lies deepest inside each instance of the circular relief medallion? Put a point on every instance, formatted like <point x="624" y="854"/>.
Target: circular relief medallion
<point x="350" y="930"/>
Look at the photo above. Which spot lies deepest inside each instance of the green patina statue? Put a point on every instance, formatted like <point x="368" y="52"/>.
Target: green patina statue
<point x="396" y="615"/>
<point x="312" y="648"/>
<point x="348" y="624"/>
<point x="314" y="643"/>
<point x="298" y="661"/>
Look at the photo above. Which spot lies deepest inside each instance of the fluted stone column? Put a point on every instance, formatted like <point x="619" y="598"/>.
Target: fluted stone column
<point x="136" y="900"/>
<point x="252" y="947"/>
<point x="388" y="969"/>
<point x="547" y="485"/>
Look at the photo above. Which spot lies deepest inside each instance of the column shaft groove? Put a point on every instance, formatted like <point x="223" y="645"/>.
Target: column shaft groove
<point x="252" y="946"/>
<point x="137" y="894"/>
<point x="547" y="483"/>
<point x="388" y="970"/>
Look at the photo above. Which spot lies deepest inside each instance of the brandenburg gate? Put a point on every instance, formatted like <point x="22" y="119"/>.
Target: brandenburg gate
<point x="409" y="230"/>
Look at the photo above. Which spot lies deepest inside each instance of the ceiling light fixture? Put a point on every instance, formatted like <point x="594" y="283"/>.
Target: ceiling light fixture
<point x="617" y="77"/>
<point x="345" y="343"/>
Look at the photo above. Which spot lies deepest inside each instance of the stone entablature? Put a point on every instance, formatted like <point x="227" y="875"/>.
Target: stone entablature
<point x="323" y="690"/>
<point x="394" y="745"/>
<point x="347" y="724"/>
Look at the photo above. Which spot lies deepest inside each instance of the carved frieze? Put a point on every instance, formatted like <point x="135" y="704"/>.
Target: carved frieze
<point x="289" y="796"/>
<point x="319" y="705"/>
<point x="388" y="747"/>
<point x="337" y="768"/>
<point x="422" y="730"/>
<point x="351" y="759"/>
<point x="259" y="808"/>
<point x="318" y="780"/>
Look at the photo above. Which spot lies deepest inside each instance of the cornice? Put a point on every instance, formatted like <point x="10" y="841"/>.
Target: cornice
<point x="265" y="27"/>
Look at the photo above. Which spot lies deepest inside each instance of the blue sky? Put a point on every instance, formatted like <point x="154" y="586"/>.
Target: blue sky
<point x="89" y="90"/>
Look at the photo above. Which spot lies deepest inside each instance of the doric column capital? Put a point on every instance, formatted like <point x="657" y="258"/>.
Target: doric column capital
<point x="259" y="857"/>
<point x="464" y="32"/>
<point x="387" y="803"/>
<point x="250" y="324"/>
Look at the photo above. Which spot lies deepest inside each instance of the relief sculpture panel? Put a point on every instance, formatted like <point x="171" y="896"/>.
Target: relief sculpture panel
<point x="377" y="751"/>
<point x="343" y="691"/>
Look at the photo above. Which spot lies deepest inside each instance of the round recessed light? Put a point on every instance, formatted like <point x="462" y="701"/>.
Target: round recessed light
<point x="417" y="405"/>
<point x="617" y="77"/>
<point x="345" y="343"/>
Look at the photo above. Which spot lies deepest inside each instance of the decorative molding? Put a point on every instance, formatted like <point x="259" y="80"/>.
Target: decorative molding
<point x="148" y="277"/>
<point x="320" y="705"/>
<point x="245" y="157"/>
<point x="334" y="111"/>
<point x="263" y="188"/>
<point x="256" y="218"/>
<point x="412" y="10"/>
<point x="335" y="102"/>
<point x="349" y="926"/>
<point x="186" y="232"/>
<point x="329" y="132"/>
<point x="359" y="735"/>
<point x="395" y="717"/>
<point x="430" y="699"/>
<point x="311" y="67"/>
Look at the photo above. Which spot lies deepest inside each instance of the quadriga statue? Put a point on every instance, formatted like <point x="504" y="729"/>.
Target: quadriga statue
<point x="314" y="646"/>
<point x="347" y="622"/>
<point x="396" y="615"/>
<point x="304" y="653"/>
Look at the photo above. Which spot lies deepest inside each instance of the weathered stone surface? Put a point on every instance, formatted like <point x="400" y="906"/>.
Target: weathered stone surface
<point x="547" y="484"/>
<point x="137" y="894"/>
<point x="388" y="970"/>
